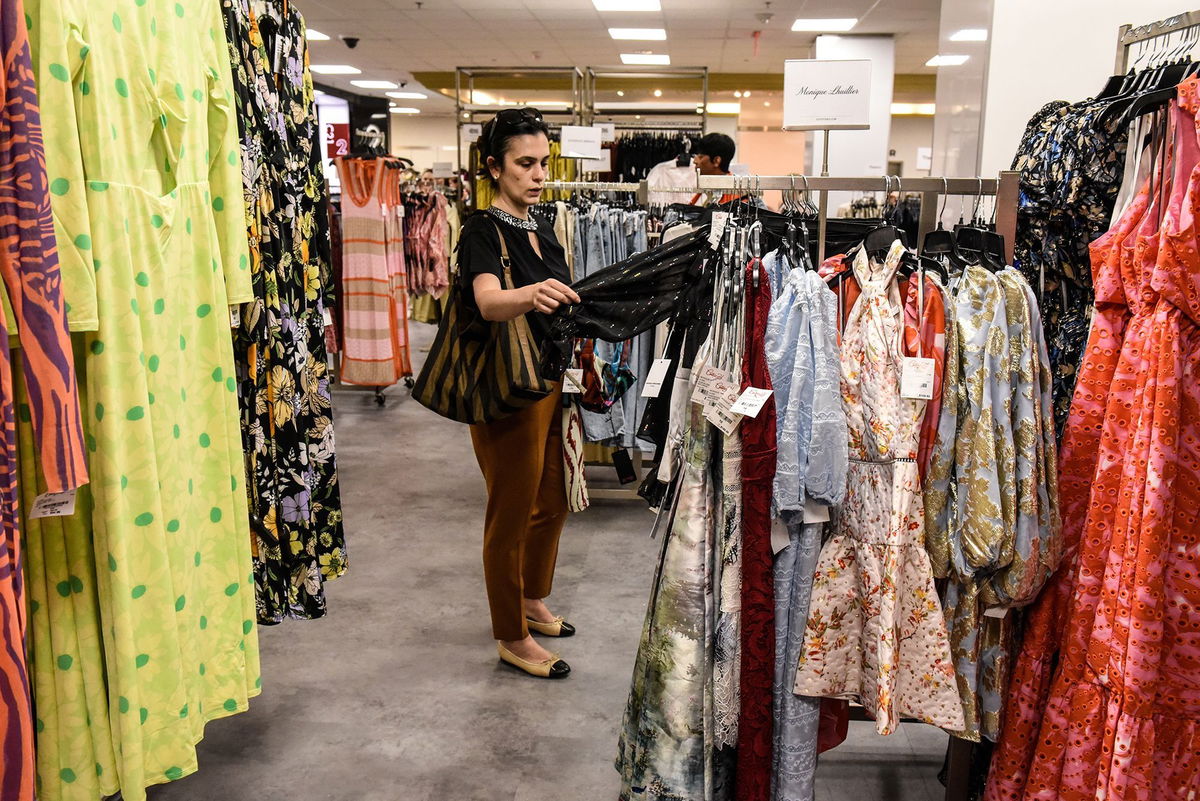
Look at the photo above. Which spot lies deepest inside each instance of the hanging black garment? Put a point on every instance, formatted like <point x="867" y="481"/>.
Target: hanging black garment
<point x="628" y="298"/>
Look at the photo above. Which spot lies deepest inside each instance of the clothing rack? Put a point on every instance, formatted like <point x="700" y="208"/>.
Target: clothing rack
<point x="932" y="190"/>
<point x="1130" y="35"/>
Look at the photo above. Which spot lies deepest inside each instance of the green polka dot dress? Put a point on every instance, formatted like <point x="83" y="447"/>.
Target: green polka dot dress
<point x="149" y="640"/>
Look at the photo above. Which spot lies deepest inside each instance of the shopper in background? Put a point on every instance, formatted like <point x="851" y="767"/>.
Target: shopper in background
<point x="521" y="456"/>
<point x="712" y="154"/>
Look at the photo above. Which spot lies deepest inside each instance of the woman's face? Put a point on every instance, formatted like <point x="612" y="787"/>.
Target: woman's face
<point x="523" y="171"/>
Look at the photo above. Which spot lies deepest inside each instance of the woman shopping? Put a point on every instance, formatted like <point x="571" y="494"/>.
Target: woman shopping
<point x="520" y="455"/>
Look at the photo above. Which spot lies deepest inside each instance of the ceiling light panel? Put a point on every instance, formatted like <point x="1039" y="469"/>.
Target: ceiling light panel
<point x="639" y="34"/>
<point x="627" y="5"/>
<point x="316" y="36"/>
<point x="945" y="60"/>
<point x="407" y="95"/>
<point x="374" y="84"/>
<point x="970" y="35"/>
<point x="914" y="109"/>
<point x="724" y="108"/>
<point x="839" y="24"/>
<point x="404" y="110"/>
<point x="334" y="69"/>
<point x="653" y="59"/>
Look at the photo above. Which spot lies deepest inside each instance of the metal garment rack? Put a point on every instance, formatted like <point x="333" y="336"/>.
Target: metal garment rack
<point x="1129" y="35"/>
<point x="591" y="74"/>
<point x="932" y="190"/>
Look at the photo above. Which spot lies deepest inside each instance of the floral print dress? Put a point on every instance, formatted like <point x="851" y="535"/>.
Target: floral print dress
<point x="283" y="388"/>
<point x="875" y="628"/>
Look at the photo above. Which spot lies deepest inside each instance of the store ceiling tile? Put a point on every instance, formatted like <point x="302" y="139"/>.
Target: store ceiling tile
<point x="397" y="38"/>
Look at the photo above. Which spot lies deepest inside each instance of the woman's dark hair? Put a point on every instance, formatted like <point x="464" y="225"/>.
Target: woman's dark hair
<point x="500" y="130"/>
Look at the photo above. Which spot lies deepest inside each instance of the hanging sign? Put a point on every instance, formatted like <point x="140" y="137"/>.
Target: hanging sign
<point x="608" y="131"/>
<point x="826" y="94"/>
<point x="469" y="133"/>
<point x="602" y="164"/>
<point x="443" y="169"/>
<point x="337" y="139"/>
<point x="581" y="142"/>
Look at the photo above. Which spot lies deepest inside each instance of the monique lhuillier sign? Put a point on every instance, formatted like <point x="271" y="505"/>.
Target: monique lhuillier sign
<point x="821" y="94"/>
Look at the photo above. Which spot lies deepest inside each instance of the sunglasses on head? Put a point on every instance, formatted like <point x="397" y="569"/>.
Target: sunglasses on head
<point x="512" y="116"/>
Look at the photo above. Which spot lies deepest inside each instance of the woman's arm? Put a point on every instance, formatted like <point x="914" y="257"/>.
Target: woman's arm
<point x="497" y="305"/>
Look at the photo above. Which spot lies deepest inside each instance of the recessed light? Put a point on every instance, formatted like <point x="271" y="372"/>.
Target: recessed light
<point x="374" y="84"/>
<point x="746" y="93"/>
<point x="658" y="92"/>
<point x="724" y="108"/>
<point x="627" y="5"/>
<point x="407" y="95"/>
<point x="334" y="69"/>
<point x="914" y="109"/>
<point x="639" y="34"/>
<point x="737" y="92"/>
<point x="767" y="103"/>
<point x="620" y="93"/>
<point x="379" y="116"/>
<point x="653" y="59"/>
<point x="970" y="35"/>
<point x="834" y="24"/>
<point x="941" y="60"/>
<point x="404" y="110"/>
<point x="316" y="36"/>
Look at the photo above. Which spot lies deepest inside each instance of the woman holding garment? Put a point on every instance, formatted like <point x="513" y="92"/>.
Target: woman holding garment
<point x="520" y="455"/>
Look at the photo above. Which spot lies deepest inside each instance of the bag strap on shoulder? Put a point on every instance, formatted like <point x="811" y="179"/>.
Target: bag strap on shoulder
<point x="505" y="262"/>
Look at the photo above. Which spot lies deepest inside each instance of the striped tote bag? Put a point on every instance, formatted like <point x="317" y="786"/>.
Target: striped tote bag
<point x="478" y="371"/>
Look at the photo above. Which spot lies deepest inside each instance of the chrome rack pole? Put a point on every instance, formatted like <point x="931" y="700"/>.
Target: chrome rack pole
<point x="823" y="208"/>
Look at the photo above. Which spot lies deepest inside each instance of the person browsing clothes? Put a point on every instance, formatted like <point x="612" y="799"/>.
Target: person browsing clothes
<point x="520" y="456"/>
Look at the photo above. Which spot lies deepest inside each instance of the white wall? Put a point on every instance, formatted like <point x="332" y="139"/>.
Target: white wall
<point x="1045" y="50"/>
<point x="856" y="153"/>
<point x="908" y="134"/>
<point x="424" y="139"/>
<point x="957" y="129"/>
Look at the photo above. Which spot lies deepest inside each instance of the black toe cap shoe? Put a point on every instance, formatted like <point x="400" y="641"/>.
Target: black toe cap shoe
<point x="559" y="670"/>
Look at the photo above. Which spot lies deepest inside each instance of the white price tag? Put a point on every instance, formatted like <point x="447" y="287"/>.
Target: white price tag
<point x="719" y="220"/>
<point x="327" y="317"/>
<point x="718" y="411"/>
<point x="708" y="375"/>
<point x="235" y="316"/>
<point x="916" y="378"/>
<point x="780" y="536"/>
<point x="655" y="378"/>
<point x="573" y="380"/>
<point x="995" y="611"/>
<point x="815" y="511"/>
<point x="750" y="402"/>
<point x="54" y="504"/>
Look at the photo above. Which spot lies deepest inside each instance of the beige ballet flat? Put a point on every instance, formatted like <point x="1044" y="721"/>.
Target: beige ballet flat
<point x="552" y="668"/>
<point x="556" y="628"/>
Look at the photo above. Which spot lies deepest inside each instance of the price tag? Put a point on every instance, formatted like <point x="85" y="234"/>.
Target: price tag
<point x="54" y="504"/>
<point x="916" y="378"/>
<point x="573" y="380"/>
<point x="327" y="317"/>
<point x="815" y="511"/>
<point x="718" y="411"/>
<point x="995" y="611"/>
<point x="719" y="220"/>
<point x="708" y="375"/>
<point x="235" y="316"/>
<point x="780" y="536"/>
<point x="655" y="378"/>
<point x="750" y="402"/>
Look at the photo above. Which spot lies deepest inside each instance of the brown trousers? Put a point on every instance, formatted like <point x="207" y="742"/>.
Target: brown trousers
<point x="521" y="457"/>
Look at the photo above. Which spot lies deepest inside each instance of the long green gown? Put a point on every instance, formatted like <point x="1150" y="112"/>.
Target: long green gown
<point x="142" y="625"/>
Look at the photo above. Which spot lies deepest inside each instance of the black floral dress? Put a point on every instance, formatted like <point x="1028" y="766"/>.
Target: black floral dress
<point x="287" y="423"/>
<point x="1071" y="162"/>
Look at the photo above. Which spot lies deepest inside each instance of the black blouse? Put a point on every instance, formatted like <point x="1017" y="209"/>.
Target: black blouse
<point x="479" y="253"/>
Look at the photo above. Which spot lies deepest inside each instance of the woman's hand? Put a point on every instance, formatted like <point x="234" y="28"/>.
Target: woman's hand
<point x="548" y="295"/>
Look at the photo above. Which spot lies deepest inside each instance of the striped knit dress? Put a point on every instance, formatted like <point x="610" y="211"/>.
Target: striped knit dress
<point x="370" y="353"/>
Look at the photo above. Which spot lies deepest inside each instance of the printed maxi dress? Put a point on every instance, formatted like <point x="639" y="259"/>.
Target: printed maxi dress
<point x="145" y="180"/>
<point x="287" y="416"/>
<point x="1121" y="721"/>
<point x="29" y="268"/>
<point x="875" y="627"/>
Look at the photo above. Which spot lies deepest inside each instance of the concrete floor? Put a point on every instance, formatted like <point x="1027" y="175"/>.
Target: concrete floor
<point x="397" y="695"/>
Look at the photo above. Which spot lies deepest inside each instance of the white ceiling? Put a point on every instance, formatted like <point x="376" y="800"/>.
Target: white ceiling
<point x="397" y="38"/>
